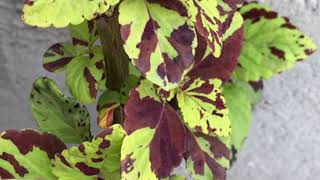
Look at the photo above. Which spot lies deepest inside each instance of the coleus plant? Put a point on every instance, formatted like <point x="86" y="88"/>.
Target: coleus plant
<point x="176" y="80"/>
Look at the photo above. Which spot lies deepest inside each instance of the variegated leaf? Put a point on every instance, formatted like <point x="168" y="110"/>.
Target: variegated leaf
<point x="82" y="60"/>
<point x="98" y="159"/>
<point x="203" y="107"/>
<point x="159" y="39"/>
<point x="27" y="154"/>
<point x="155" y="143"/>
<point x="272" y="44"/>
<point x="230" y="18"/>
<point x="61" y="13"/>
<point x="207" y="66"/>
<point x="205" y="15"/>
<point x="207" y="156"/>
<point x="84" y="35"/>
<point x="57" y="114"/>
<point x="58" y="56"/>
<point x="84" y="74"/>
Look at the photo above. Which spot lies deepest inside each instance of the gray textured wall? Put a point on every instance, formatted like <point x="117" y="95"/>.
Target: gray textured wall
<point x="284" y="139"/>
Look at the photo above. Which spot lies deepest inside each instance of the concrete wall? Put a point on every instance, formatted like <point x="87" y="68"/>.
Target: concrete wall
<point x="284" y="141"/>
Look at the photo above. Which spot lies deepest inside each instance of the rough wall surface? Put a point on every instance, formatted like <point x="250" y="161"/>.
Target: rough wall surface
<point x="284" y="141"/>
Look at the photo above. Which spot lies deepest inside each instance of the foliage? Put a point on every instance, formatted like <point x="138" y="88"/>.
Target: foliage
<point x="49" y="104"/>
<point x="185" y="104"/>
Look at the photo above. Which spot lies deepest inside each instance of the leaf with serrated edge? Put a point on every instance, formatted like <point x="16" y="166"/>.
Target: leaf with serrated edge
<point x="27" y="154"/>
<point x="57" y="114"/>
<point x="61" y="13"/>
<point x="98" y="159"/>
<point x="272" y="44"/>
<point x="158" y="39"/>
<point x="156" y="136"/>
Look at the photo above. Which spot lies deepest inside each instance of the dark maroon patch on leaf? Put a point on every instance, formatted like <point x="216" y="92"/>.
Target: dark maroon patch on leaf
<point x="174" y="5"/>
<point x="256" y="85"/>
<point x="147" y="46"/>
<point x="277" y="52"/>
<point x="55" y="65"/>
<point x="25" y="140"/>
<point x="29" y="2"/>
<point x="233" y="3"/>
<point x="100" y="64"/>
<point x="256" y="14"/>
<point x="80" y="42"/>
<point x="181" y="39"/>
<point x="104" y="144"/>
<point x="92" y="83"/>
<point x="125" y="31"/>
<point x="308" y="51"/>
<point x="141" y="113"/>
<point x="4" y="174"/>
<point x="87" y="170"/>
<point x="200" y="157"/>
<point x="217" y="147"/>
<point x="105" y="132"/>
<point x="96" y="160"/>
<point x="222" y="67"/>
<point x="12" y="160"/>
<point x="127" y="164"/>
<point x="168" y="144"/>
<point x="57" y="48"/>
<point x="63" y="160"/>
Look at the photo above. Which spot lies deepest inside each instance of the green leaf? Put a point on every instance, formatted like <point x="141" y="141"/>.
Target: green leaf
<point x="61" y="13"/>
<point x="272" y="44"/>
<point x="98" y="159"/>
<point x="57" y="114"/>
<point x="203" y="107"/>
<point x="159" y="39"/>
<point x="207" y="156"/>
<point x="240" y="97"/>
<point x="27" y="154"/>
<point x="155" y="143"/>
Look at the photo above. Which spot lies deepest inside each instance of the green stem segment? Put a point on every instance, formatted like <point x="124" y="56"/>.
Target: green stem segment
<point x="116" y="59"/>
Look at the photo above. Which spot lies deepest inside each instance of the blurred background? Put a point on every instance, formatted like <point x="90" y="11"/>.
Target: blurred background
<point x="284" y="142"/>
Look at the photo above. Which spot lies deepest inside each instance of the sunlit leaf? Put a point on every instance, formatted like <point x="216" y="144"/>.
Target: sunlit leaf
<point x="82" y="60"/>
<point x="155" y="143"/>
<point x="97" y="159"/>
<point x="27" y="154"/>
<point x="272" y="44"/>
<point x="159" y="39"/>
<point x="61" y="13"/>
<point x="207" y="156"/>
<point x="203" y="107"/>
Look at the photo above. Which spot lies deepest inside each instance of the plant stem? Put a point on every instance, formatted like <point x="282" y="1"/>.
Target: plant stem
<point x="116" y="59"/>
